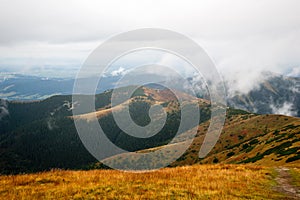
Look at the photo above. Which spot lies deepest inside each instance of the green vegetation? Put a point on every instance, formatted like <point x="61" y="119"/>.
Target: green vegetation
<point x="294" y="158"/>
<point x="295" y="173"/>
<point x="41" y="135"/>
<point x="254" y="141"/>
<point x="231" y="112"/>
<point x="280" y="150"/>
<point x="216" y="160"/>
<point x="230" y="154"/>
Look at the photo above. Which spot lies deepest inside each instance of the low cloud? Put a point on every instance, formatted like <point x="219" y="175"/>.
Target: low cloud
<point x="295" y="72"/>
<point x="286" y="108"/>
<point x="119" y="72"/>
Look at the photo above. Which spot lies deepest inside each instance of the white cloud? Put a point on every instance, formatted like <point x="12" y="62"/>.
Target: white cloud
<point x="176" y="63"/>
<point x="77" y="20"/>
<point x="285" y="109"/>
<point x="295" y="72"/>
<point x="119" y="72"/>
<point x="243" y="37"/>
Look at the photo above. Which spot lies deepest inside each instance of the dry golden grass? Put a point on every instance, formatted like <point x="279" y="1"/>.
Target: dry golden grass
<point x="193" y="182"/>
<point x="261" y="127"/>
<point x="295" y="173"/>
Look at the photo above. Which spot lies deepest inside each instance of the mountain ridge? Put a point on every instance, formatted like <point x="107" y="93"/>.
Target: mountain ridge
<point x="276" y="94"/>
<point x="38" y="136"/>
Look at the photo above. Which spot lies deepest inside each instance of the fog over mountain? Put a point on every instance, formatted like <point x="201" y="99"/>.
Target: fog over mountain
<point x="275" y="94"/>
<point x="270" y="94"/>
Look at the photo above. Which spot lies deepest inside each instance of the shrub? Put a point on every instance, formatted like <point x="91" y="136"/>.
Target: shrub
<point x="216" y="160"/>
<point x="254" y="141"/>
<point x="245" y="146"/>
<point x="291" y="159"/>
<point x="250" y="148"/>
<point x="230" y="154"/>
<point x="288" y="151"/>
<point x="241" y="137"/>
<point x="276" y="132"/>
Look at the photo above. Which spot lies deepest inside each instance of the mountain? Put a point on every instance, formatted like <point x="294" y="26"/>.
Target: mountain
<point x="275" y="95"/>
<point x="270" y="140"/>
<point x="41" y="135"/>
<point x="25" y="87"/>
<point x="250" y="138"/>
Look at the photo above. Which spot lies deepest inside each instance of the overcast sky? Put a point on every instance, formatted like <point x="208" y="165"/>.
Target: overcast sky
<point x="52" y="37"/>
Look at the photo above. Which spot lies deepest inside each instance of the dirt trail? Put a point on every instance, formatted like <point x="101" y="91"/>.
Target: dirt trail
<point x="284" y="180"/>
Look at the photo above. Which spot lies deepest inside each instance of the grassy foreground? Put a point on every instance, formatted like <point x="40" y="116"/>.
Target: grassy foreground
<point x="192" y="182"/>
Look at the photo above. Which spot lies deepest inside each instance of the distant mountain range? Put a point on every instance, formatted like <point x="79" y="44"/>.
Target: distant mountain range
<point x="21" y="87"/>
<point x="24" y="87"/>
<point x="275" y="95"/>
<point x="40" y="135"/>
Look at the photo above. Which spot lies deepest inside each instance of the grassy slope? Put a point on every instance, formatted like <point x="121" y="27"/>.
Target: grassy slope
<point x="192" y="182"/>
<point x="264" y="139"/>
<point x="249" y="136"/>
<point x="246" y="138"/>
<point x="268" y="140"/>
